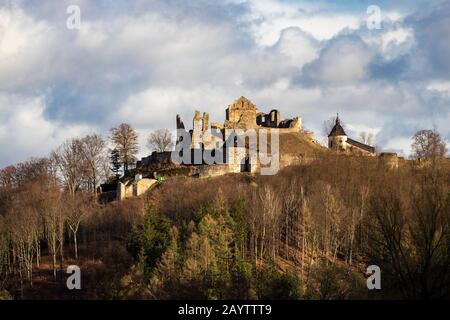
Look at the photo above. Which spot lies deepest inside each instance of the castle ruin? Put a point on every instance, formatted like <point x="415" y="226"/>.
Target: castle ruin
<point x="241" y="116"/>
<point x="230" y="144"/>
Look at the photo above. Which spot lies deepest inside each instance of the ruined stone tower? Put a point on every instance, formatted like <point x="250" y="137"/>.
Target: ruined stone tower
<point x="388" y="160"/>
<point x="241" y="114"/>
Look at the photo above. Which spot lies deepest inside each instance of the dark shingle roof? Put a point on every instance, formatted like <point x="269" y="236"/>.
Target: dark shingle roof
<point x="337" y="129"/>
<point x="360" y="145"/>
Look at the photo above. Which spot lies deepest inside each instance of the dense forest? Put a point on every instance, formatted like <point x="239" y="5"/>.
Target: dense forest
<point x="308" y="232"/>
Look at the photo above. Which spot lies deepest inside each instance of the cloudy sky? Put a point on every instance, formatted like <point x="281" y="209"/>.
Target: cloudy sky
<point x="143" y="62"/>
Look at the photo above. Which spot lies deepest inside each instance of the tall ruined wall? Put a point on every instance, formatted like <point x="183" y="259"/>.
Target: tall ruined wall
<point x="241" y="114"/>
<point x="197" y="131"/>
<point x="201" y="134"/>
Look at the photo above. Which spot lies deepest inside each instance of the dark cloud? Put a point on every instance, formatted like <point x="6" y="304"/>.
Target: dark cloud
<point x="432" y="31"/>
<point x="392" y="70"/>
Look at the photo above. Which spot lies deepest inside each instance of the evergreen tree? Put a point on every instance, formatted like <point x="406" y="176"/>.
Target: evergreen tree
<point x="115" y="162"/>
<point x="149" y="240"/>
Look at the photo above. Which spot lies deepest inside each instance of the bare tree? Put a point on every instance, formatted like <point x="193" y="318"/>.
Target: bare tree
<point x="332" y="224"/>
<point x="366" y="138"/>
<point x="70" y="164"/>
<point x="125" y="139"/>
<point x="35" y="169"/>
<point x="429" y="145"/>
<point x="24" y="224"/>
<point x="93" y="149"/>
<point x="160" y="140"/>
<point x="76" y="211"/>
<point x="290" y="208"/>
<point x="412" y="239"/>
<point x="8" y="177"/>
<point x="53" y="223"/>
<point x="5" y="257"/>
<point x="270" y="215"/>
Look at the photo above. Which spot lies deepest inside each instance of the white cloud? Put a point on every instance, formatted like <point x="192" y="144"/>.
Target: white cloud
<point x="25" y="132"/>
<point x="24" y="48"/>
<point x="396" y="37"/>
<point x="298" y="46"/>
<point x="357" y="128"/>
<point x="440" y="86"/>
<point x="401" y="145"/>
<point x="271" y="17"/>
<point x="92" y="35"/>
<point x="157" y="107"/>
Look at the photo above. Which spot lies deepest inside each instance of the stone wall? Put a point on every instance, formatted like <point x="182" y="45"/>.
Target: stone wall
<point x="124" y="190"/>
<point x="206" y="171"/>
<point x="134" y="188"/>
<point x="241" y="114"/>
<point x="388" y="160"/>
<point x="142" y="186"/>
<point x="271" y="119"/>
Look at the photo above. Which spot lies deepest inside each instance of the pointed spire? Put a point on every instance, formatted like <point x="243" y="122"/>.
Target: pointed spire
<point x="337" y="129"/>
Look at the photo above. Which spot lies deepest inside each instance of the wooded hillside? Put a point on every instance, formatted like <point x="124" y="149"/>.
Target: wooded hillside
<point x="308" y="232"/>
